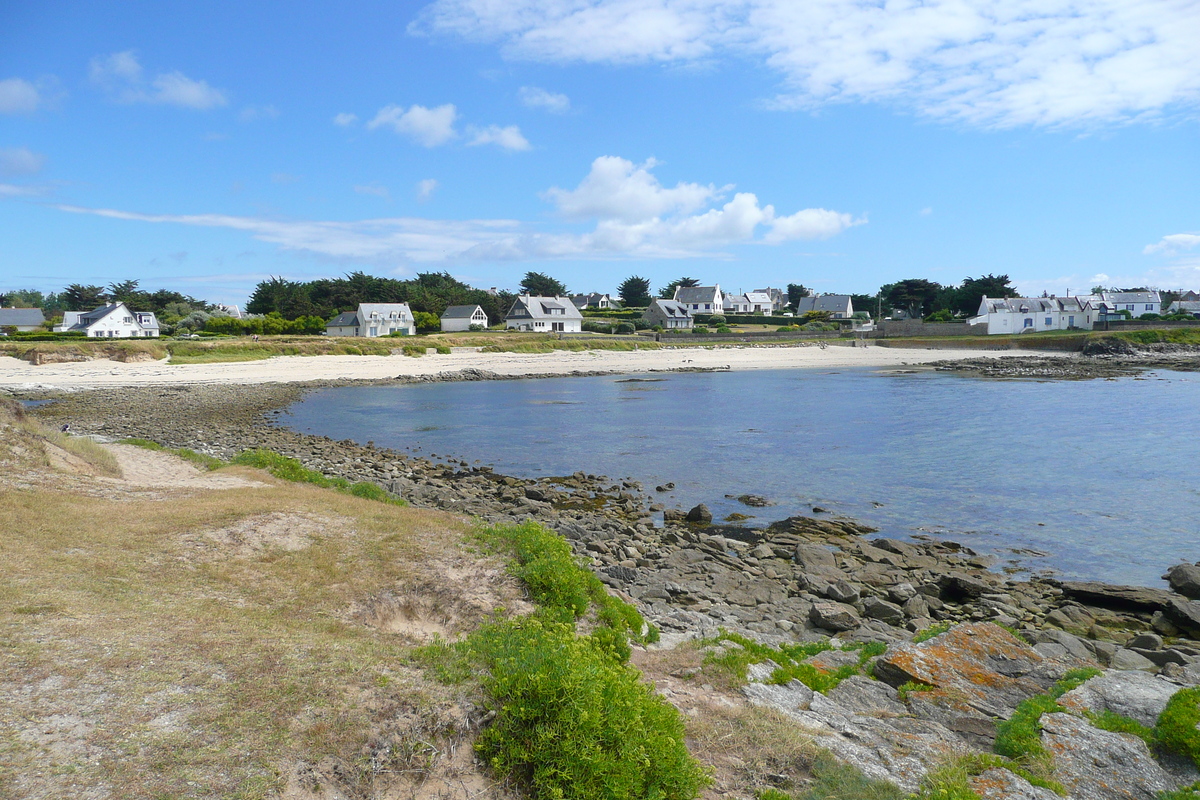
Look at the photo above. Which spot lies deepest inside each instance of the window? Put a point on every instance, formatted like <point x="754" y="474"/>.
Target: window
<point x="1029" y="322"/>
<point x="1129" y="306"/>
<point x="558" y="326"/>
<point x="1149" y="306"/>
<point x="1071" y="322"/>
<point x="1049" y="322"/>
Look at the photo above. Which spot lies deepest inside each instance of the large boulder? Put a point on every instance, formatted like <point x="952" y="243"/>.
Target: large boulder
<point x="814" y="558"/>
<point x="1185" y="579"/>
<point x="1137" y="695"/>
<point x="1118" y="598"/>
<point x="1000" y="784"/>
<point x="834" y="617"/>
<point x="700" y="515"/>
<point x="1099" y="765"/>
<point x="984" y="665"/>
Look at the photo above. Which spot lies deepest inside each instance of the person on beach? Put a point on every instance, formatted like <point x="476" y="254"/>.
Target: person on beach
<point x="66" y="427"/>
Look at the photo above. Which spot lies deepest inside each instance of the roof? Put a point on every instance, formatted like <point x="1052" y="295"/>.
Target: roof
<point x="1132" y="297"/>
<point x="346" y="319"/>
<point x="385" y="310"/>
<point x="698" y="294"/>
<point x="537" y="307"/>
<point x="1190" y="306"/>
<point x="737" y="298"/>
<point x="758" y="297"/>
<point x="460" y="312"/>
<point x="1032" y="305"/>
<point x="21" y="316"/>
<point x="671" y="308"/>
<point x="826" y="302"/>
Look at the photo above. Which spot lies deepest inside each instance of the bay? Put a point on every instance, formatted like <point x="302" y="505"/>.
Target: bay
<point x="1088" y="479"/>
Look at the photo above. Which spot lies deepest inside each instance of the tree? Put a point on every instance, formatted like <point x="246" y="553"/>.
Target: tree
<point x="635" y="291"/>
<point x="911" y="294"/>
<point x="541" y="285"/>
<point x="127" y="292"/>
<point x="866" y="303"/>
<point x="668" y="291"/>
<point x="796" y="293"/>
<point x="22" y="298"/>
<point x="966" y="298"/>
<point x="81" y="297"/>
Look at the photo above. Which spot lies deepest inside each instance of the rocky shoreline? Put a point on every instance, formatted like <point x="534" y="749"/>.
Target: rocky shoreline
<point x="802" y="579"/>
<point x="1101" y="358"/>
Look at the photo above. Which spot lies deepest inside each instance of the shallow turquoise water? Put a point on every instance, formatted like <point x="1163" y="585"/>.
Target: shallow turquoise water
<point x="1097" y="476"/>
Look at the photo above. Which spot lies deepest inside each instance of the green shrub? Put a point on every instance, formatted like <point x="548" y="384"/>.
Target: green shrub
<point x="717" y="319"/>
<point x="1176" y="726"/>
<point x="290" y="469"/>
<point x="724" y="329"/>
<point x="1186" y="793"/>
<point x="1110" y="721"/>
<point x="626" y="328"/>
<point x="952" y="779"/>
<point x="789" y="657"/>
<point x="1019" y="736"/>
<point x="930" y="632"/>
<point x="413" y="350"/>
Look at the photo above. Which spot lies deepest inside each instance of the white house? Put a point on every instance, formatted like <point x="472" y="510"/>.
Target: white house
<point x="736" y="304"/>
<point x="461" y="318"/>
<point x="544" y="315"/>
<point x="23" y="319"/>
<point x="373" y="319"/>
<point x="111" y="321"/>
<point x="839" y="306"/>
<point x="760" y="302"/>
<point x="778" y="297"/>
<point x="1031" y="314"/>
<point x="1112" y="305"/>
<point x="670" y="314"/>
<point x="701" y="299"/>
<point x="232" y="311"/>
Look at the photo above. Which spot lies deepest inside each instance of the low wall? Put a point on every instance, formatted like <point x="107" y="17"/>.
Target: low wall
<point x="916" y="327"/>
<point x="1140" y="324"/>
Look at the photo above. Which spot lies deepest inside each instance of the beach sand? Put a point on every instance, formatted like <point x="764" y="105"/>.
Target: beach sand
<point x="16" y="374"/>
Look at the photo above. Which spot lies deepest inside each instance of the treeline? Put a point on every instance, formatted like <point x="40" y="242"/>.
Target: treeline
<point x="84" y="297"/>
<point x="429" y="292"/>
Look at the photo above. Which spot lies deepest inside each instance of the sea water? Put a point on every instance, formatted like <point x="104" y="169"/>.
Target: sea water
<point x="1088" y="479"/>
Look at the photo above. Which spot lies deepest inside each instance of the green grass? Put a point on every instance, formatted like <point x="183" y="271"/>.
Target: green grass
<point x="290" y="469"/>
<point x="912" y="686"/>
<point x="952" y="779"/>
<point x="1176" y="727"/>
<point x="790" y="657"/>
<point x="1160" y="336"/>
<point x="1186" y="793"/>
<point x="1116" y="723"/>
<point x="930" y="632"/>
<point x="573" y="718"/>
<point x="1020" y="736"/>
<point x="833" y="780"/>
<point x="574" y="345"/>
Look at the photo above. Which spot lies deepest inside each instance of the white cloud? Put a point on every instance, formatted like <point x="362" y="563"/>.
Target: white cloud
<point x="1173" y="244"/>
<point x="535" y="97"/>
<point x="509" y="137"/>
<point x="616" y="188"/>
<point x="810" y="223"/>
<point x="18" y="96"/>
<point x="345" y="119"/>
<point x="634" y="217"/>
<point x="9" y="190"/>
<point x="992" y="63"/>
<point x="20" y="161"/>
<point x="374" y="189"/>
<point x="427" y="126"/>
<point x="120" y="74"/>
<point x="425" y="189"/>
<point x="253" y="113"/>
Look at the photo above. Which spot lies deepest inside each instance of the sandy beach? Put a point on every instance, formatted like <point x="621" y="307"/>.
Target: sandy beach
<point x="16" y="374"/>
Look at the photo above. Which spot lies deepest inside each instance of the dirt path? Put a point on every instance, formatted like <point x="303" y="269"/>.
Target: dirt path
<point x="152" y="469"/>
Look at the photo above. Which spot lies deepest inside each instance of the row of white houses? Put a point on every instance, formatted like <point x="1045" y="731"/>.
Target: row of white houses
<point x="1032" y="314"/>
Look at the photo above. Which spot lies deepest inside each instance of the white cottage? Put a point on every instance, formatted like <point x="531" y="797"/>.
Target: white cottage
<point x="372" y="320"/>
<point x="1114" y="305"/>
<point x="544" y="315"/>
<point x="670" y="314"/>
<point x="736" y="304"/>
<point x="111" y="321"/>
<point x="1032" y="314"/>
<point x="461" y="318"/>
<point x="701" y="299"/>
<point x="22" y="319"/>
<point x="839" y="306"/>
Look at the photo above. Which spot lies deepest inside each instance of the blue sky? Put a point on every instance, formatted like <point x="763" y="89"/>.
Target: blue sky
<point x="841" y="145"/>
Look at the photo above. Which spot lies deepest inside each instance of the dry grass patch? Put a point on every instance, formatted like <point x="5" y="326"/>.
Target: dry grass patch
<point x="218" y="646"/>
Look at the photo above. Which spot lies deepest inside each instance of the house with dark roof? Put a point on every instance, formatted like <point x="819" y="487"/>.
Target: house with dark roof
<point x="544" y="315"/>
<point x="461" y="318"/>
<point x="23" y="319"/>
<point x="111" y="321"/>
<point x="373" y="320"/>
<point x="1031" y="314"/>
<point x="701" y="299"/>
<point x="839" y="306"/>
<point x="669" y="314"/>
<point x="1114" y="305"/>
<point x="594" y="300"/>
<point x="1184" y="307"/>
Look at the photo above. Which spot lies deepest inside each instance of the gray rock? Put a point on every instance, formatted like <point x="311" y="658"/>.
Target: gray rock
<point x="861" y="695"/>
<point x="834" y="617"/>
<point x="1072" y="644"/>
<point x="1126" y="659"/>
<point x="791" y="697"/>
<point x="901" y="593"/>
<point x="1098" y="765"/>
<point x="833" y="660"/>
<point x="843" y="592"/>
<point x="1137" y="695"/>
<point x="957" y="586"/>
<point x="1185" y="579"/>
<point x="884" y="611"/>
<point x="1146" y="641"/>
<point x="814" y="557"/>
<point x="917" y="606"/>
<point x="1183" y="615"/>
<point x="895" y="546"/>
<point x="1118" y="598"/>
<point x="700" y="514"/>
<point x="1051" y="650"/>
<point x="754" y="500"/>
<point x="1000" y="784"/>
